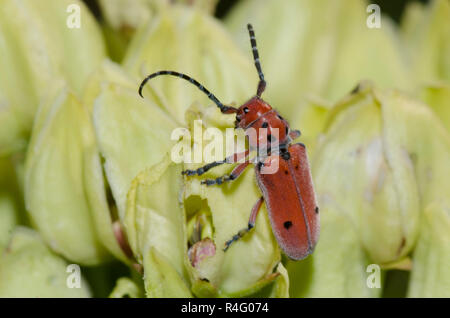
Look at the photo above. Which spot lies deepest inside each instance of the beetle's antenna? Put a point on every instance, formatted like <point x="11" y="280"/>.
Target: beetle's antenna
<point x="224" y="109"/>
<point x="262" y="82"/>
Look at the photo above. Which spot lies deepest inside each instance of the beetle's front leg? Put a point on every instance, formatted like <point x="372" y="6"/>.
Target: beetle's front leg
<point x="231" y="159"/>
<point x="232" y="176"/>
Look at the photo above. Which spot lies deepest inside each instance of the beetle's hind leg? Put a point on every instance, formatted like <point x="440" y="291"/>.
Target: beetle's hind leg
<point x="251" y="224"/>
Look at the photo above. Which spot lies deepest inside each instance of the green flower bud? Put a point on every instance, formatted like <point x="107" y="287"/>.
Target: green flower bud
<point x="421" y="133"/>
<point x="310" y="118"/>
<point x="273" y="285"/>
<point x="10" y="201"/>
<point x="123" y="18"/>
<point x="303" y="53"/>
<point x="426" y="35"/>
<point x="127" y="16"/>
<point x="64" y="189"/>
<point x="154" y="218"/>
<point x="437" y="96"/>
<point x="29" y="269"/>
<point x="383" y="161"/>
<point x="430" y="276"/>
<point x="38" y="49"/>
<point x="132" y="134"/>
<point x="8" y="219"/>
<point x="155" y="226"/>
<point x="126" y="288"/>
<point x="200" y="226"/>
<point x="379" y="192"/>
<point x="189" y="41"/>
<point x="418" y="131"/>
<point x="208" y="6"/>
<point x="338" y="266"/>
<point x="107" y="72"/>
<point x="162" y="280"/>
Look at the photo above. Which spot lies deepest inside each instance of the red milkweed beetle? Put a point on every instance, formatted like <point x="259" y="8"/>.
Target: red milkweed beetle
<point x="288" y="193"/>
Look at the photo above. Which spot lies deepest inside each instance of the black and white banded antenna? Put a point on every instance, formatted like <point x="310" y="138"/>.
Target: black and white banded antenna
<point x="262" y="82"/>
<point x="224" y="109"/>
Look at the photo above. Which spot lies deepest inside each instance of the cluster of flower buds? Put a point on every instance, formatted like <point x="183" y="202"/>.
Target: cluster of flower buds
<point x="87" y="179"/>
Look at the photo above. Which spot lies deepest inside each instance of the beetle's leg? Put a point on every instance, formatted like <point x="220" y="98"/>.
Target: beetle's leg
<point x="231" y="159"/>
<point x="203" y="169"/>
<point x="232" y="176"/>
<point x="251" y="224"/>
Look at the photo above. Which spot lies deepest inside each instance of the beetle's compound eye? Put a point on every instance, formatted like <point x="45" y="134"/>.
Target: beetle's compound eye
<point x="246" y="110"/>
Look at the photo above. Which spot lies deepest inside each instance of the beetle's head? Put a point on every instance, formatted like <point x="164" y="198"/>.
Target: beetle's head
<point x="251" y="111"/>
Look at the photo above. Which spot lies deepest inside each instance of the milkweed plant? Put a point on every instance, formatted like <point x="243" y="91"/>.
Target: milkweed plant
<point x="91" y="202"/>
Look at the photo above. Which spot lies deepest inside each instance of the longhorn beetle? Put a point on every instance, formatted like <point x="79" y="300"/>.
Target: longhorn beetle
<point x="288" y="193"/>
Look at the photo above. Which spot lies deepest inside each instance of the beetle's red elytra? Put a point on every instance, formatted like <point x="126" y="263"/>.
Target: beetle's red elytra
<point x="288" y="193"/>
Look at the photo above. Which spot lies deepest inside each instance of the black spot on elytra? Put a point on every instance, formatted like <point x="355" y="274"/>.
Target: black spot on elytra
<point x="265" y="124"/>
<point x="296" y="167"/>
<point x="317" y="210"/>
<point x="287" y="225"/>
<point x="286" y="172"/>
<point x="286" y="155"/>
